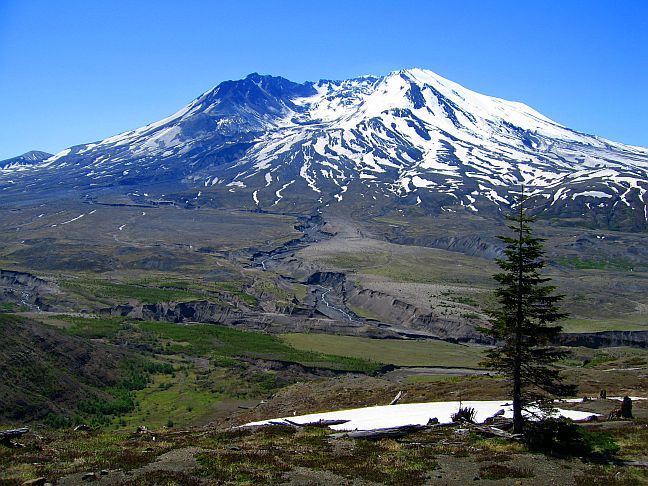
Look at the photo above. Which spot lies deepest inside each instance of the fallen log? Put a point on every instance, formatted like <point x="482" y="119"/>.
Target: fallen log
<point x="501" y="423"/>
<point x="489" y="431"/>
<point x="324" y="423"/>
<point x="396" y="398"/>
<point x="495" y="416"/>
<point x="317" y="423"/>
<point x="6" y="436"/>
<point x="281" y="422"/>
<point x="630" y="463"/>
<point x="376" y="434"/>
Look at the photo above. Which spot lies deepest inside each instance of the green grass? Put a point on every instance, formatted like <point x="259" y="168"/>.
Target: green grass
<point x="69" y="453"/>
<point x="92" y="328"/>
<point x="265" y="454"/>
<point x="8" y="319"/>
<point x="164" y="281"/>
<point x="145" y="396"/>
<point x="300" y="291"/>
<point x="192" y="392"/>
<point x="104" y="290"/>
<point x="391" y="351"/>
<point x="632" y="322"/>
<point x="12" y="307"/>
<point x="401" y="264"/>
<point x="579" y="263"/>
<point x="156" y="289"/>
<point x="205" y="339"/>
<point x="615" y="357"/>
<point x="175" y="397"/>
<point x="210" y="340"/>
<point x="111" y="401"/>
<point x="367" y="314"/>
<point x="394" y="221"/>
<point x="633" y="441"/>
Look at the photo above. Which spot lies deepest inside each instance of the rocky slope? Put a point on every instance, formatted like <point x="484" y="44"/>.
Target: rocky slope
<point x="45" y="371"/>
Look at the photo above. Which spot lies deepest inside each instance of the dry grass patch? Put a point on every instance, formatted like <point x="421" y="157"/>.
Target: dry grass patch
<point x="504" y="471"/>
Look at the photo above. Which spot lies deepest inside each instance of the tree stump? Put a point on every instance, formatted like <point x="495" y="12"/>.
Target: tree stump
<point x="626" y="407"/>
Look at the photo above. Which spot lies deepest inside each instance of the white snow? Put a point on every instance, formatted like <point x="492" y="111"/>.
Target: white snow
<point x="634" y="399"/>
<point x="55" y="157"/>
<point x="278" y="193"/>
<point x="369" y="418"/>
<point x="236" y="184"/>
<point x="598" y="194"/>
<point x="370" y="126"/>
<point x="126" y="137"/>
<point x="304" y="172"/>
<point x="360" y="122"/>
<point x="73" y="219"/>
<point x="418" y="181"/>
<point x="581" y="400"/>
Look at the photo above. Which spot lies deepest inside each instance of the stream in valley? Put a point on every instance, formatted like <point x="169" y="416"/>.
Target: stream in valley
<point x="326" y="289"/>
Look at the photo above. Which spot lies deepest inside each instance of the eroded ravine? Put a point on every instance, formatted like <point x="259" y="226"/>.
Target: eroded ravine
<point x="326" y="297"/>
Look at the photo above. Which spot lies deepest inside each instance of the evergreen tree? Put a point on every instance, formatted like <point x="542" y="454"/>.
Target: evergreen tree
<point x="522" y="323"/>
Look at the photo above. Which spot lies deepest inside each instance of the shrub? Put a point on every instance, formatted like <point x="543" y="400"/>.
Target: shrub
<point x="562" y="437"/>
<point x="554" y="436"/>
<point x="599" y="443"/>
<point x="464" y="413"/>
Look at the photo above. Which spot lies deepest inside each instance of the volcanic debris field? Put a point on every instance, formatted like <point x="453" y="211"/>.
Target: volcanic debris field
<point x="160" y="329"/>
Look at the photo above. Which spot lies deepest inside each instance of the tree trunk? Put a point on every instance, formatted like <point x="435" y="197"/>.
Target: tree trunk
<point x="518" y="423"/>
<point x="518" y="420"/>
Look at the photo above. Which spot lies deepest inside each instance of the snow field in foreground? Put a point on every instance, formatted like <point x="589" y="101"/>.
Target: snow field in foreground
<point x="369" y="418"/>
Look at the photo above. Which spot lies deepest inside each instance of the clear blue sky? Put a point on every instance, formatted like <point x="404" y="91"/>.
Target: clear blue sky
<point x="73" y="72"/>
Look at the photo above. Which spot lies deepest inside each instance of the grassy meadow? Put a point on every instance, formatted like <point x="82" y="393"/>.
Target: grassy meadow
<point x="390" y="351"/>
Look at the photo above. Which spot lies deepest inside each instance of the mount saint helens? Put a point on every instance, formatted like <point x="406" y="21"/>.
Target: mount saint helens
<point x="411" y="138"/>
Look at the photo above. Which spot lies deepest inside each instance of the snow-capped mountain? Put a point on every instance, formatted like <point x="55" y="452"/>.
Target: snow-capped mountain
<point x="412" y="136"/>
<point x="28" y="158"/>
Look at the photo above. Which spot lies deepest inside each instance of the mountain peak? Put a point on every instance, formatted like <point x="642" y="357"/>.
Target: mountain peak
<point x="411" y="137"/>
<point x="28" y="158"/>
<point x="35" y="155"/>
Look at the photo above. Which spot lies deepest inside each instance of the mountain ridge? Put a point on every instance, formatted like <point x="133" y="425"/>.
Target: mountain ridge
<point x="28" y="158"/>
<point x="413" y="136"/>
